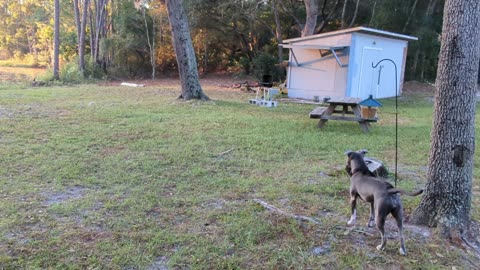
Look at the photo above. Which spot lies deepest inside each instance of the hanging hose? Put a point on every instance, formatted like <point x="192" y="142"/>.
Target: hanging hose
<point x="396" y="113"/>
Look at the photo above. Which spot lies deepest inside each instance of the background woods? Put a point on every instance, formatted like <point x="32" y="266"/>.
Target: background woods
<point x="126" y="38"/>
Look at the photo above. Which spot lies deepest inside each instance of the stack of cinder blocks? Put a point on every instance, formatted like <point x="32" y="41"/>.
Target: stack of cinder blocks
<point x="266" y="100"/>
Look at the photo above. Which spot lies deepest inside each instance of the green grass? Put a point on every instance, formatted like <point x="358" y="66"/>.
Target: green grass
<point x="131" y="178"/>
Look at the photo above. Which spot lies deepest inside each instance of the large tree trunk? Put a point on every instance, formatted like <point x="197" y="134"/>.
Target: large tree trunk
<point x="182" y="44"/>
<point x="311" y="8"/>
<point x="447" y="198"/>
<point x="56" y="40"/>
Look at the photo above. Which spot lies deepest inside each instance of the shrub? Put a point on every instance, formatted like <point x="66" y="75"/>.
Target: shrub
<point x="45" y="77"/>
<point x="91" y="70"/>
<point x="69" y="73"/>
<point x="246" y="65"/>
<point x="266" y="65"/>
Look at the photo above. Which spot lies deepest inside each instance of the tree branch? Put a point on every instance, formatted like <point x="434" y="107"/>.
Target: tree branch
<point x="283" y="213"/>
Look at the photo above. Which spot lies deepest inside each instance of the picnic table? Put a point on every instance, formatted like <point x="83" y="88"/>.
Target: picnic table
<point x="348" y="110"/>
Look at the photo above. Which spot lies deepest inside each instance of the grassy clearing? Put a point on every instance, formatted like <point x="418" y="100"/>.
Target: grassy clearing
<point x="18" y="75"/>
<point x="131" y="178"/>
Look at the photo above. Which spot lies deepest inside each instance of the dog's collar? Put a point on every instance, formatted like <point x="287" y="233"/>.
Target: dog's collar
<point x="355" y="171"/>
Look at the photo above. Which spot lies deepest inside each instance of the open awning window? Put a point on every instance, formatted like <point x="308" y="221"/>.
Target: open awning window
<point x="323" y="50"/>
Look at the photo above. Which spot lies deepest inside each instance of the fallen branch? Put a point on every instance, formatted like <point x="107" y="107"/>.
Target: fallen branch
<point x="364" y="232"/>
<point x="225" y="152"/>
<point x="283" y="213"/>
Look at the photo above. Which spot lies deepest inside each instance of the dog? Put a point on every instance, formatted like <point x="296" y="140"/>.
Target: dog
<point x="348" y="168"/>
<point x="381" y="195"/>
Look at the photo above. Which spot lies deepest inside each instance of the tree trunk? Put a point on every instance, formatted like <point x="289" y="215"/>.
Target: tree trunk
<point x="81" y="29"/>
<point x="311" y="8"/>
<point x="412" y="11"/>
<point x="92" y="43"/>
<point x="56" y="40"/>
<point x="447" y="198"/>
<point x="98" y="28"/>
<point x="415" y="63"/>
<point x="354" y="14"/>
<point x="278" y="29"/>
<point x="344" y="9"/>
<point x="298" y="25"/>
<point x="182" y="44"/>
<point x="150" y="41"/>
<point x="76" y="11"/>
<point x="427" y="23"/>
<point x="423" y="59"/>
<point x="81" y="44"/>
<point x="478" y="81"/>
<point x="373" y="14"/>
<point x="205" y="52"/>
<point x="326" y="16"/>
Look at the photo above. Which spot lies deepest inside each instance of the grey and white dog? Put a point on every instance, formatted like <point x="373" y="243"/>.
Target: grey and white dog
<point x="381" y="195"/>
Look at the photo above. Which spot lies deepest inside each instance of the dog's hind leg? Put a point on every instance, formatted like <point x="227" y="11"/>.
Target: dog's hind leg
<point x="380" y="220"/>
<point x="371" y="220"/>
<point x="397" y="214"/>
<point x="353" y="204"/>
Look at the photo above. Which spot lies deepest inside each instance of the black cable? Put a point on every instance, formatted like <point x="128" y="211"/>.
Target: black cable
<point x="396" y="113"/>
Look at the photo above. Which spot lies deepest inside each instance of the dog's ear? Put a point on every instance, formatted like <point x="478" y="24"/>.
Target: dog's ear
<point x="363" y="151"/>
<point x="348" y="152"/>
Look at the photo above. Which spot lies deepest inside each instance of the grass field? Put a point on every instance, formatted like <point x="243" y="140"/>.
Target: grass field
<point x="19" y="75"/>
<point x="107" y="177"/>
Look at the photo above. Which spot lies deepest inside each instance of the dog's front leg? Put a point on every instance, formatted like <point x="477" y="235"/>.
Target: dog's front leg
<point x="353" y="203"/>
<point x="371" y="220"/>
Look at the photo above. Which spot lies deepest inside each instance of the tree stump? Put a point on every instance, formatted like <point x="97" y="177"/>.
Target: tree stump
<point x="376" y="167"/>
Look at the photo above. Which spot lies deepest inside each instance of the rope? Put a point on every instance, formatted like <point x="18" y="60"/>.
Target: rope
<point x="396" y="113"/>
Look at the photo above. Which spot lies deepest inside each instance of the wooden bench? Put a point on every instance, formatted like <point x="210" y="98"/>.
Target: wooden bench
<point x="317" y="112"/>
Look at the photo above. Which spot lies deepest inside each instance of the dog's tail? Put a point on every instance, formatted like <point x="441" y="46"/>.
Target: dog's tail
<point x="396" y="190"/>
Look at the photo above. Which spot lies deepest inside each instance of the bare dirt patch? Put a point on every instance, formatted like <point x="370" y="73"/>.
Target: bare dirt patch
<point x="212" y="82"/>
<point x="418" y="87"/>
<point x="227" y="81"/>
<point x="6" y="113"/>
<point x="71" y="193"/>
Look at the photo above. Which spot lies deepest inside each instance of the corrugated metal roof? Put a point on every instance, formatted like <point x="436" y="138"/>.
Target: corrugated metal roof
<point x="360" y="29"/>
